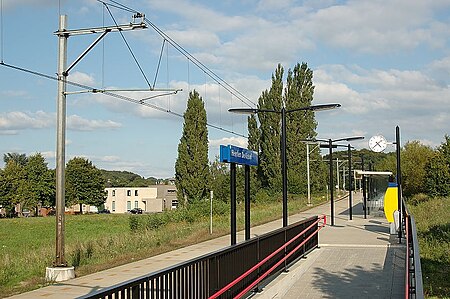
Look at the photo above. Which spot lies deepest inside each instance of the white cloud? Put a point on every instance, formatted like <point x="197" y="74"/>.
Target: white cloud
<point x="194" y="38"/>
<point x="82" y="78"/>
<point x="21" y="94"/>
<point x="18" y="3"/>
<point x="18" y="120"/>
<point x="237" y="141"/>
<point x="77" y="123"/>
<point x="378" y="26"/>
<point x="109" y="159"/>
<point x="49" y="155"/>
<point x="13" y="122"/>
<point x="271" y="5"/>
<point x="201" y="16"/>
<point x="9" y="132"/>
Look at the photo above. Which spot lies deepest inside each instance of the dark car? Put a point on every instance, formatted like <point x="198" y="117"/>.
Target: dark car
<point x="105" y="211"/>
<point x="136" y="211"/>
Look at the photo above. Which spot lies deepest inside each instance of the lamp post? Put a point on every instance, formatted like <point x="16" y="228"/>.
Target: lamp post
<point x="330" y="147"/>
<point x="283" y="113"/>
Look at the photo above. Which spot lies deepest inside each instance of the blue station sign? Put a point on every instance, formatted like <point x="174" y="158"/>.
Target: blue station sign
<point x="238" y="155"/>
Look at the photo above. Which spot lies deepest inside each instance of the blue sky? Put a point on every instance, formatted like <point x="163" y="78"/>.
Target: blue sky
<point x="386" y="62"/>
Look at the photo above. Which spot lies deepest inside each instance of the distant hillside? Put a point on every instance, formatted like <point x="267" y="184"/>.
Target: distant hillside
<point x="115" y="178"/>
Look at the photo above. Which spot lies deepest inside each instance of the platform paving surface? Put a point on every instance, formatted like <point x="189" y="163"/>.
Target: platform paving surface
<point x="356" y="259"/>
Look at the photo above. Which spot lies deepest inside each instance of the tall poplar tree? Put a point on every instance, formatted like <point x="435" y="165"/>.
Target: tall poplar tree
<point x="191" y="167"/>
<point x="253" y="144"/>
<point x="270" y="164"/>
<point x="296" y="93"/>
<point x="300" y="125"/>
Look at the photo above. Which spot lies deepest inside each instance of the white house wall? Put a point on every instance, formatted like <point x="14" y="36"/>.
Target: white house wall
<point x="121" y="200"/>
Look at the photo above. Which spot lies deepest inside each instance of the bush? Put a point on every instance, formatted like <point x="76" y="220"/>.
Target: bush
<point x="419" y="198"/>
<point x="157" y="220"/>
<point x="133" y="221"/>
<point x="263" y="196"/>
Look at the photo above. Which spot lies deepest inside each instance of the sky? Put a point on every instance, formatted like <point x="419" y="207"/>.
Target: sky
<point x="386" y="62"/>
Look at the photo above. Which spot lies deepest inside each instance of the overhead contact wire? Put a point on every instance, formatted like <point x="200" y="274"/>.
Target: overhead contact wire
<point x="111" y="94"/>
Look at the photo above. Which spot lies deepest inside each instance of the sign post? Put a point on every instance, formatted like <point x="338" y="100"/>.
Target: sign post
<point x="237" y="155"/>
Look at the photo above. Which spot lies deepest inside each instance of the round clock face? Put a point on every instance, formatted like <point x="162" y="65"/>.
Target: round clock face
<point x="377" y="143"/>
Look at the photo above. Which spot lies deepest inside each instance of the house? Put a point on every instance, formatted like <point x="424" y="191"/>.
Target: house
<point x="150" y="199"/>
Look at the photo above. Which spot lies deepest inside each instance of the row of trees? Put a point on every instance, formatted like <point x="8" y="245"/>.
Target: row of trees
<point x="28" y="183"/>
<point x="194" y="177"/>
<point x="424" y="169"/>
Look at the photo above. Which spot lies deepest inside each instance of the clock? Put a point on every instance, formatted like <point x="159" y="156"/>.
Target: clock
<point x="377" y="143"/>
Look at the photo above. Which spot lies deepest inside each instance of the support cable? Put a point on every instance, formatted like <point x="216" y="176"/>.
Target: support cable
<point x="129" y="48"/>
<point x="115" y="95"/>
<point x="103" y="51"/>
<point x="167" y="74"/>
<point x="159" y="62"/>
<point x="1" y="28"/>
<point x="244" y="99"/>
<point x="118" y="5"/>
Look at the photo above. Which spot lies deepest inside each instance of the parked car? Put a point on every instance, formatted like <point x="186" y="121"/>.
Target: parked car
<point x="105" y="211"/>
<point x="136" y="211"/>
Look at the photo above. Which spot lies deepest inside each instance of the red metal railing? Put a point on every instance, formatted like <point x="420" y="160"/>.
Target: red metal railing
<point x="262" y="262"/>
<point x="407" y="258"/>
<point x="413" y="269"/>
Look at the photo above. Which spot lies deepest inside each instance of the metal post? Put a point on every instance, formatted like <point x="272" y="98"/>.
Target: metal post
<point x="343" y="178"/>
<point x="211" y="195"/>
<point x="330" y="144"/>
<point x="337" y="175"/>
<point x="283" y="165"/>
<point x="350" y="184"/>
<point x="369" y="187"/>
<point x="233" y="202"/>
<point x="247" y="202"/>
<point x="307" y="174"/>
<point x="60" y="144"/>
<point x="399" y="181"/>
<point x="364" y="189"/>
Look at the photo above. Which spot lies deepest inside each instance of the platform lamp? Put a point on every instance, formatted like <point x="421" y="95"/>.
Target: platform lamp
<point x="330" y="146"/>
<point x="283" y="111"/>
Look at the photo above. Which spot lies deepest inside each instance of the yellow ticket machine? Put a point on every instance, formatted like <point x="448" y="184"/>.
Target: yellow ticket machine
<point x="391" y="201"/>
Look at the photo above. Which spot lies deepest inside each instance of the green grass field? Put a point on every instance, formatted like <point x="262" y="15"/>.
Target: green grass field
<point x="97" y="242"/>
<point x="433" y="224"/>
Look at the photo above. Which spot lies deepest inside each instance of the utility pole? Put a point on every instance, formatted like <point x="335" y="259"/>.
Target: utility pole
<point x="60" y="260"/>
<point x="60" y="271"/>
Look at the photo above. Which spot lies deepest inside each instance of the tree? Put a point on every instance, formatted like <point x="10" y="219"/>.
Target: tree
<point x="20" y="159"/>
<point x="40" y="181"/>
<point x="438" y="171"/>
<point x="300" y="125"/>
<point x="191" y="167"/>
<point x="414" y="158"/>
<point x="220" y="180"/>
<point x="298" y="93"/>
<point x="253" y="144"/>
<point x="253" y="134"/>
<point x="14" y="185"/>
<point x="269" y="142"/>
<point x="84" y="183"/>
